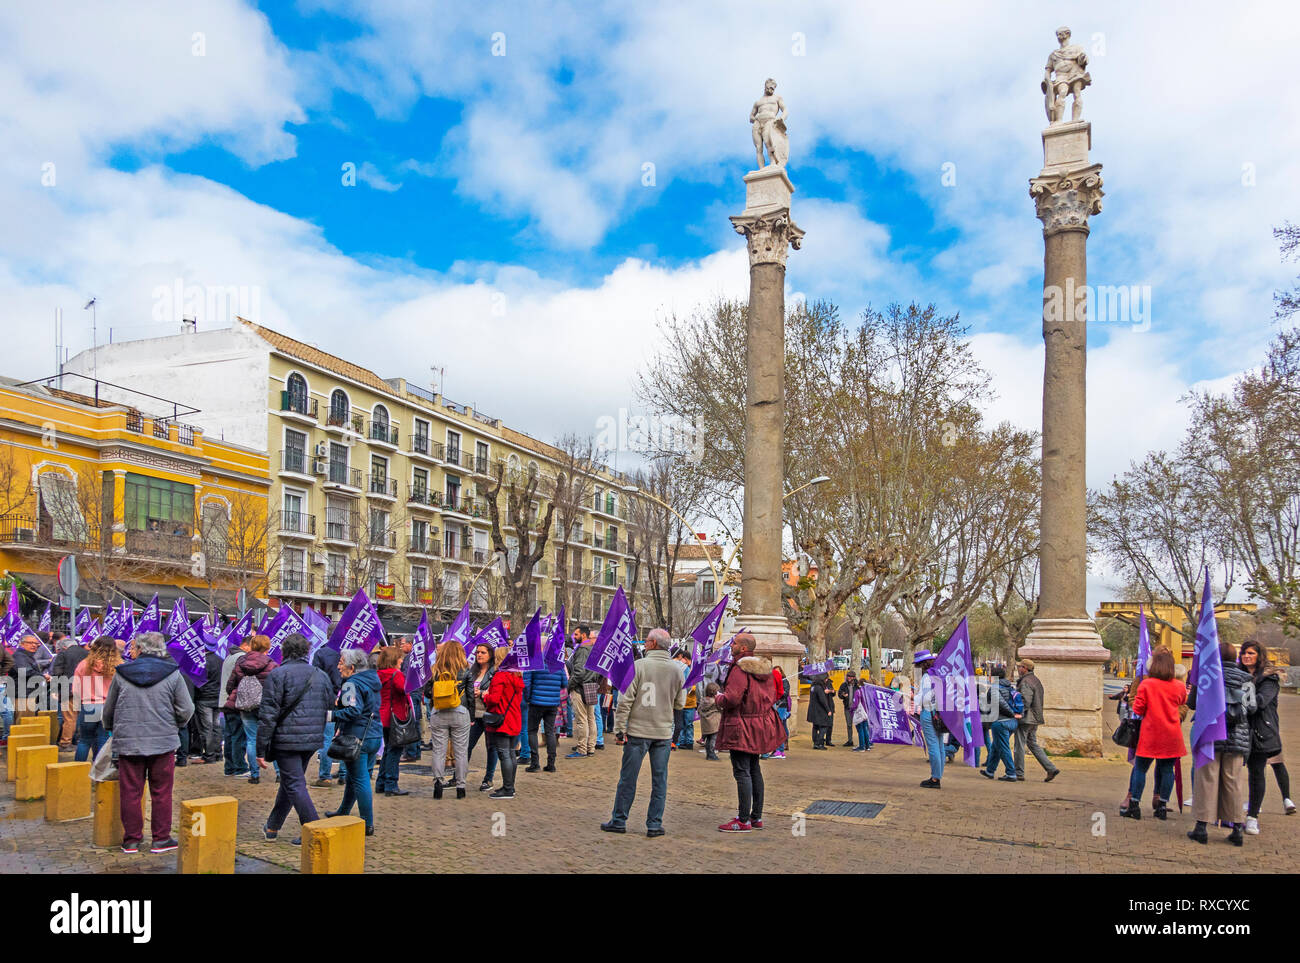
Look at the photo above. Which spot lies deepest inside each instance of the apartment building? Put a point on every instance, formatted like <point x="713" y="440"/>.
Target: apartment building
<point x="376" y="483"/>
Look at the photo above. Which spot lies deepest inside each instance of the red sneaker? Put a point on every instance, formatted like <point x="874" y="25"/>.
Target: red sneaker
<point x="756" y="823"/>
<point x="735" y="826"/>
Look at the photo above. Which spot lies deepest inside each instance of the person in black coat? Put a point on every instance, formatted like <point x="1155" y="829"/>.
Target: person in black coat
<point x="848" y="689"/>
<point x="1221" y="783"/>
<point x="296" y="699"/>
<point x="327" y="660"/>
<point x="61" y="670"/>
<point x="206" y="699"/>
<point x="1265" y="734"/>
<point x="821" y="709"/>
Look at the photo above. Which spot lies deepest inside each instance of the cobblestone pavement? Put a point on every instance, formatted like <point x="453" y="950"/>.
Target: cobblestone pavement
<point x="972" y="825"/>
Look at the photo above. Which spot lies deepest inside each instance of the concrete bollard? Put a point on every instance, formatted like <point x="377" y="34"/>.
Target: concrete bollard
<point x="67" y="791"/>
<point x="334" y="845"/>
<point x="20" y="742"/>
<point x="33" y="728"/>
<point x="108" y="814"/>
<point x="207" y="835"/>
<point x="53" y="722"/>
<point x="31" y="763"/>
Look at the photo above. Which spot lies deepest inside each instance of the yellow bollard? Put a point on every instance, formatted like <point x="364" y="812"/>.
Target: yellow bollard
<point x="53" y="722"/>
<point x="334" y="845"/>
<point x="207" y="835"/>
<point x="67" y="791"/>
<point x="108" y="814"/>
<point x="31" y="763"/>
<point x="17" y="742"/>
<point x="31" y="729"/>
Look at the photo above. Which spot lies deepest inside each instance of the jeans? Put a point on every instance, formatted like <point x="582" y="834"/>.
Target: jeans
<point x="933" y="745"/>
<point x="545" y="715"/>
<point x="132" y="771"/>
<point x="91" y="734"/>
<point x="1137" y="780"/>
<point x="453" y="723"/>
<point x="236" y="760"/>
<point x="520" y="741"/>
<point x="389" y="766"/>
<point x="746" y="769"/>
<point x="500" y="742"/>
<point x="1027" y="734"/>
<point x="568" y="715"/>
<point x="207" y="721"/>
<point x="684" y="728"/>
<point x="1001" y="751"/>
<point x="292" y="790"/>
<point x="634" y="752"/>
<point x="356" y="784"/>
<point x="249" y="721"/>
<point x="477" y="729"/>
<point x="864" y="734"/>
<point x="326" y="763"/>
<point x="598" y="711"/>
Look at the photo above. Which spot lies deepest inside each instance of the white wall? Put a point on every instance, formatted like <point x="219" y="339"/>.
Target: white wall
<point x="223" y="373"/>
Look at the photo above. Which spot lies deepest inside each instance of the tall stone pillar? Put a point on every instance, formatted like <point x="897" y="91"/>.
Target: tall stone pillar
<point x="770" y="232"/>
<point x="1063" y="643"/>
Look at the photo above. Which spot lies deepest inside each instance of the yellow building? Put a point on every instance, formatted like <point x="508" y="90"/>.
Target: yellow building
<point x="144" y="501"/>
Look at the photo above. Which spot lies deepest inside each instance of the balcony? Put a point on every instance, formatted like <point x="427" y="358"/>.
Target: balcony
<point x="382" y="433"/>
<point x="340" y="530"/>
<point x="452" y="502"/>
<point x="383" y="541"/>
<point x="423" y="446"/>
<point x="419" y="496"/>
<point x="342" y="476"/>
<point x="481" y="556"/>
<point x="429" y="544"/>
<point x="293" y="582"/>
<point x="480" y="464"/>
<point x="453" y="457"/>
<point x="344" y="421"/>
<point x="457" y="553"/>
<point x="135" y="422"/>
<point x="297" y="523"/>
<point x="295" y="461"/>
<point x="177" y="546"/>
<point x="298" y="408"/>
<point x="335" y="584"/>
<point x="382" y="486"/>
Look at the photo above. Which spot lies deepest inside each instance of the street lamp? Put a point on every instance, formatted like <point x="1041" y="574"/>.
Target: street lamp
<point x="633" y="490"/>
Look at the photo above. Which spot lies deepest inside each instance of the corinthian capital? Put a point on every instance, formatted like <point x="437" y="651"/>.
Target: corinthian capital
<point x="769" y="236"/>
<point x="1064" y="201"/>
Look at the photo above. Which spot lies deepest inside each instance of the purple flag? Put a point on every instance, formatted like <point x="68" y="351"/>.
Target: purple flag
<point x="818" y="668"/>
<point x="111" y="622"/>
<point x="1144" y="645"/>
<point x="81" y="623"/>
<point x="125" y="622"/>
<point x="612" y="655"/>
<point x="418" y="670"/>
<point x="493" y="636"/>
<point x="189" y="650"/>
<point x="46" y="622"/>
<point x="888" y="720"/>
<point x="318" y="628"/>
<point x="553" y="658"/>
<point x="702" y="637"/>
<point x="283" y="624"/>
<point x="358" y="627"/>
<point x="234" y="635"/>
<point x="953" y="676"/>
<point x="525" y="654"/>
<point x="149" y="619"/>
<point x="459" y="630"/>
<point x="178" y="620"/>
<point x="722" y="654"/>
<point x="1210" y="725"/>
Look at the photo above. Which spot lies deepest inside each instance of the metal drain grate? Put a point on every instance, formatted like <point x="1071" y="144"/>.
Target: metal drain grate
<point x="836" y="807"/>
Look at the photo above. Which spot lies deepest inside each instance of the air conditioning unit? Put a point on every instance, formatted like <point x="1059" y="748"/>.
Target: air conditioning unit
<point x="321" y="450"/>
<point x="24" y="535"/>
<point x="318" y="558"/>
<point x="320" y="466"/>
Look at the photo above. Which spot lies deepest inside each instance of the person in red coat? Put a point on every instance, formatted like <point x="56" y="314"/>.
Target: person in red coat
<point x="1161" y="736"/>
<point x="749" y="728"/>
<point x="393" y="701"/>
<point x="504" y="697"/>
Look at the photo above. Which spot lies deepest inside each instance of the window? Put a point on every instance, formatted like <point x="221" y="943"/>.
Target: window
<point x="420" y="483"/>
<point x="381" y="415"/>
<point x="293" y="570"/>
<point x="595" y="500"/>
<point x="59" y="503"/>
<point x="595" y="607"/>
<point x="378" y="574"/>
<point x="378" y="527"/>
<point x="157" y="505"/>
<point x="559" y="600"/>
<point x="451" y="588"/>
<point x="513" y="464"/>
<point x="453" y="491"/>
<point x="421" y="442"/>
<point x="295" y="451"/>
<point x="419" y="576"/>
<point x="419" y="536"/>
<point x="532" y="469"/>
<point x="336" y="574"/>
<point x="215" y="530"/>
<point x="338" y="463"/>
<point x="707" y="590"/>
<point x="339" y="407"/>
<point x="481" y="456"/>
<point x="338" y="517"/>
<point x="297" y="393"/>
<point x="453" y="445"/>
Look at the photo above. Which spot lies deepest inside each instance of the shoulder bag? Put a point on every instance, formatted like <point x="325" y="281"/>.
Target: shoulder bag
<point x="403" y="732"/>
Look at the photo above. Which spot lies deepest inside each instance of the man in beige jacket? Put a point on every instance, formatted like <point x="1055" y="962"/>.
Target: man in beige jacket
<point x="645" y="718"/>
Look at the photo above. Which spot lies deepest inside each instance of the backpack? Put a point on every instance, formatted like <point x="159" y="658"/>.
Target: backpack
<point x="1017" y="703"/>
<point x="446" y="694"/>
<point x="248" y="694"/>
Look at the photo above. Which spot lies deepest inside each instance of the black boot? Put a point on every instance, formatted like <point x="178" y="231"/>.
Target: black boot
<point x="1134" y="810"/>
<point x="1198" y="834"/>
<point x="437" y="789"/>
<point x="1235" y="837"/>
<point x="460" y="792"/>
<point x="1160" y="811"/>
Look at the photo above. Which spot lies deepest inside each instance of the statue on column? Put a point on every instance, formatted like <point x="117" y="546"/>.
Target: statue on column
<point x="1069" y="62"/>
<point x="769" y="126"/>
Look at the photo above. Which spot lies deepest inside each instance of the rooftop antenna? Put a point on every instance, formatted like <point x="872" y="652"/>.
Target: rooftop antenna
<point x="94" y="343"/>
<point x="58" y="344"/>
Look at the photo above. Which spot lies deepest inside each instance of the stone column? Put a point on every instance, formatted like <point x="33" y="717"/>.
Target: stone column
<point x="769" y="232"/>
<point x="1063" y="643"/>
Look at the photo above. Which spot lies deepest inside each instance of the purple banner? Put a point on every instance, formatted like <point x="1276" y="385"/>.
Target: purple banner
<point x="125" y="622"/>
<point x="702" y="637"/>
<point x="493" y="636"/>
<point x="418" y="670"/>
<point x="553" y="659"/>
<point x="1210" y="724"/>
<point x="957" y="700"/>
<point x="284" y="624"/>
<point x="358" y="627"/>
<point x="613" y="655"/>
<point x="525" y="654"/>
<point x="886" y="716"/>
<point x="459" y="630"/>
<point x="149" y="620"/>
<point x="46" y="622"/>
<point x="318" y="628"/>
<point x="189" y="650"/>
<point x="817" y="668"/>
<point x="178" y="620"/>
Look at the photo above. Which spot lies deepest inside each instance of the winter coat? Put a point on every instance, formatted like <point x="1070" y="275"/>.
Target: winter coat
<point x="579" y="674"/>
<point x="357" y="711"/>
<point x="66" y="662"/>
<point x="209" y="694"/>
<point x="846" y="691"/>
<point x="749" y="723"/>
<point x="1005" y="709"/>
<point x="1031" y="690"/>
<point x="258" y="665"/>
<point x="1265" y="733"/>
<point x="821" y="708"/>
<point x="1235" y="681"/>
<point x="296" y="698"/>
<point x="710" y="716"/>
<point x="146" y="706"/>
<point x="27" y="672"/>
<point x="1157" y="702"/>
<point x="505" y="695"/>
<point x="392" y="697"/>
<point x="644" y="717"/>
<point x="327" y="660"/>
<point x="542" y="688"/>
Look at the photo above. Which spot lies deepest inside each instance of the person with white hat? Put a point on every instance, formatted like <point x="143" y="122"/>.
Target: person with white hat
<point x="927" y="707"/>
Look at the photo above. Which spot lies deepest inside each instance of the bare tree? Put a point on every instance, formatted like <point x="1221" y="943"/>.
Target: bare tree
<point x="579" y="464"/>
<point x="522" y="489"/>
<point x="236" y="538"/>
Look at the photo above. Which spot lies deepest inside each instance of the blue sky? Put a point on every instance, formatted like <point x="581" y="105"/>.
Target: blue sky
<point x="500" y="228"/>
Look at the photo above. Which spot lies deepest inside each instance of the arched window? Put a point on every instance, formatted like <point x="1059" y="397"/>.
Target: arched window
<point x="513" y="464"/>
<point x="297" y="392"/>
<point x="532" y="469"/>
<point x="339" y="407"/>
<point x="380" y="415"/>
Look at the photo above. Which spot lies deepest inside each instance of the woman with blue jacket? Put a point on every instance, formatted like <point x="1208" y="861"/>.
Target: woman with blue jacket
<point x="542" y="692"/>
<point x="357" y="714"/>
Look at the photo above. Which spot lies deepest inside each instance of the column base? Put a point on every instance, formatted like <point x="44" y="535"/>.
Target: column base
<point x="1068" y="657"/>
<point x="776" y="642"/>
